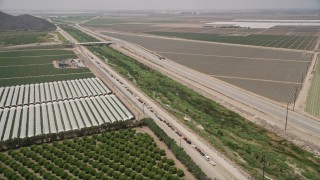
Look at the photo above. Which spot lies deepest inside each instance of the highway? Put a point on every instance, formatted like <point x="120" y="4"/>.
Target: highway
<point x="303" y="123"/>
<point x="224" y="169"/>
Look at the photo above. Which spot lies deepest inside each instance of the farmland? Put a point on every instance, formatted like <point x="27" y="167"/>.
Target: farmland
<point x="279" y="41"/>
<point x="242" y="141"/>
<point x="313" y="100"/>
<point x="111" y="155"/>
<point x="35" y="66"/>
<point x="23" y="37"/>
<point x="70" y="19"/>
<point x="172" y="96"/>
<point x="273" y="74"/>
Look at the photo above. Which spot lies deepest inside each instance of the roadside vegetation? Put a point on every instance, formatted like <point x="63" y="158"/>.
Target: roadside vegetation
<point x="23" y="37"/>
<point x="313" y="100"/>
<point x="177" y="151"/>
<point x="279" y="41"/>
<point x="35" y="66"/>
<point x="81" y="37"/>
<point x="109" y="155"/>
<point x="62" y="38"/>
<point x="247" y="144"/>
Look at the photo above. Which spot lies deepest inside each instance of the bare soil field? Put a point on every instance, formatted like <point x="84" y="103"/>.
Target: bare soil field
<point x="273" y="74"/>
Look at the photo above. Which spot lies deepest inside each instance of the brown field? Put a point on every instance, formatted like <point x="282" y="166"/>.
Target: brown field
<point x="273" y="74"/>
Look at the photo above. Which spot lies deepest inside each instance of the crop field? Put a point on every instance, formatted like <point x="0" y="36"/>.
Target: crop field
<point x="251" y="142"/>
<point x="258" y="70"/>
<point x="55" y="117"/>
<point x="242" y="141"/>
<point x="279" y="41"/>
<point x="70" y="19"/>
<point x="35" y="66"/>
<point x="49" y="92"/>
<point x="23" y="37"/>
<point x="122" y="154"/>
<point x="313" y="99"/>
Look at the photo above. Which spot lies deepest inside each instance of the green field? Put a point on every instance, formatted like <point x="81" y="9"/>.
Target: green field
<point x="35" y="66"/>
<point x="240" y="140"/>
<point x="107" y="21"/>
<point x="313" y="100"/>
<point x="79" y="36"/>
<point x="23" y="37"/>
<point x="122" y="154"/>
<point x="70" y="19"/>
<point x="278" y="41"/>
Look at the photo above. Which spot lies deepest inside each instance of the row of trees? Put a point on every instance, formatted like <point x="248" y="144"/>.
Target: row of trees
<point x="45" y="138"/>
<point x="178" y="151"/>
<point x="95" y="157"/>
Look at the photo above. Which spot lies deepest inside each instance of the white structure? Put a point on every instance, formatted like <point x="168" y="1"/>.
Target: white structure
<point x="61" y="116"/>
<point x="50" y="92"/>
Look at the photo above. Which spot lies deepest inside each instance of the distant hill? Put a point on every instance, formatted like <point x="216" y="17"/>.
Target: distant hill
<point x="24" y="22"/>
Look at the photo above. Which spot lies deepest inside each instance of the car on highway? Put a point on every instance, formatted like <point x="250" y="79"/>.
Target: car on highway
<point x="187" y="140"/>
<point x="207" y="157"/>
<point x="179" y="134"/>
<point x="212" y="163"/>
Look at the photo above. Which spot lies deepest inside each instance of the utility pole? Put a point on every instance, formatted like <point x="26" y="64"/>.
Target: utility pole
<point x="263" y="165"/>
<point x="295" y="98"/>
<point x="180" y="142"/>
<point x="143" y="109"/>
<point x="285" y="128"/>
<point x="263" y="168"/>
<point x="302" y="80"/>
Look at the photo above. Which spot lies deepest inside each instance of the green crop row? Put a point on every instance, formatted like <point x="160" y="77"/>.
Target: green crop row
<point x="110" y="155"/>
<point x="32" y="52"/>
<point x="35" y="66"/>
<point x="313" y="100"/>
<point x="284" y="41"/>
<point x="36" y="70"/>
<point x="42" y="79"/>
<point x="33" y="60"/>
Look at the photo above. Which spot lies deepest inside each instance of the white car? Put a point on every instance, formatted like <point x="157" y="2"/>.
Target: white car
<point x="212" y="163"/>
<point x="207" y="157"/>
<point x="194" y="146"/>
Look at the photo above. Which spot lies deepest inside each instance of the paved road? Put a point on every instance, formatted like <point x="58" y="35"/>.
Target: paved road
<point x="223" y="169"/>
<point x="303" y="123"/>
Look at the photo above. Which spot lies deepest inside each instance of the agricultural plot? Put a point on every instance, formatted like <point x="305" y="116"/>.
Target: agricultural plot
<point x="253" y="69"/>
<point x="36" y="66"/>
<point x="23" y="37"/>
<point x="279" y="41"/>
<point x="50" y="92"/>
<point x="70" y="19"/>
<point x="123" y="154"/>
<point x="313" y="99"/>
<point x="55" y="117"/>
